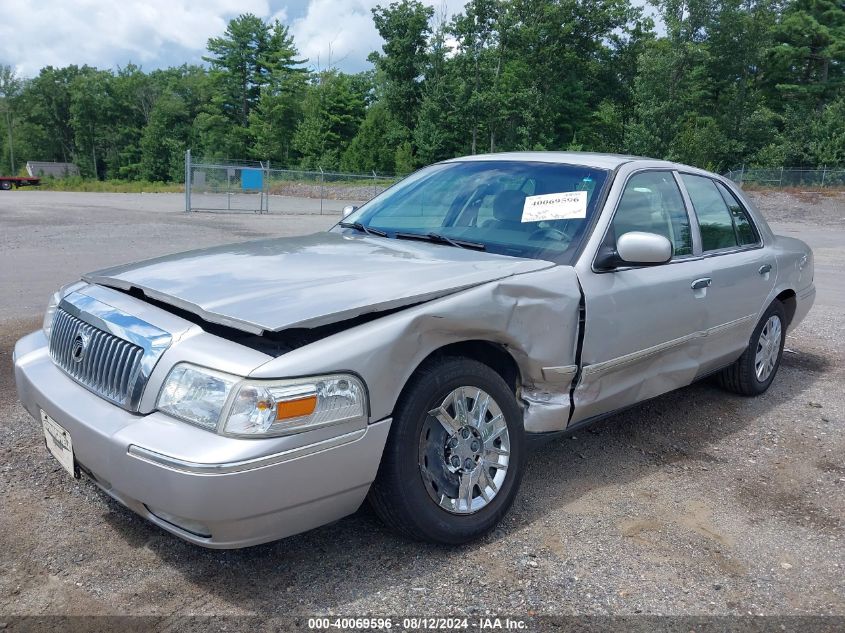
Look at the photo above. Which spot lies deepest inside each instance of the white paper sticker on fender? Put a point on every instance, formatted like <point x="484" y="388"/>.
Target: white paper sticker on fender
<point x="555" y="206"/>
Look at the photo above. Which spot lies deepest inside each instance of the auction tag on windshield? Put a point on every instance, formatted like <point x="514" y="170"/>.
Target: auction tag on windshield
<point x="570" y="205"/>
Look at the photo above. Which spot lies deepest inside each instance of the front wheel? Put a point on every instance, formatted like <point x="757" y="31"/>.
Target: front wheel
<point x="5" y="185"/>
<point x="755" y="370"/>
<point x="454" y="457"/>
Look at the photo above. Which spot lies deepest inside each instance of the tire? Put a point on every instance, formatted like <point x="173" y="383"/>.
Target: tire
<point x="744" y="376"/>
<point x="5" y="185"/>
<point x="418" y="490"/>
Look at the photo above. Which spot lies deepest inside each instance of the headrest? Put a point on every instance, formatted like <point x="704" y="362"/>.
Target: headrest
<point x="636" y="204"/>
<point x="508" y="204"/>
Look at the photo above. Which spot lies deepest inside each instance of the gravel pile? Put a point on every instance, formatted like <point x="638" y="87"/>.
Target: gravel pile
<point x="331" y="190"/>
<point x="825" y="208"/>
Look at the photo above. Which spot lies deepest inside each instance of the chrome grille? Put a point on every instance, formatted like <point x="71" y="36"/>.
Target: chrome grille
<point x="108" y="365"/>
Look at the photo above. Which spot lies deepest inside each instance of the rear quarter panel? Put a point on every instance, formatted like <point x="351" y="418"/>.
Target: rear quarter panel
<point x="794" y="261"/>
<point x="796" y="271"/>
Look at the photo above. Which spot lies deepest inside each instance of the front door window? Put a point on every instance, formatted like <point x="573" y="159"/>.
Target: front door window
<point x="652" y="203"/>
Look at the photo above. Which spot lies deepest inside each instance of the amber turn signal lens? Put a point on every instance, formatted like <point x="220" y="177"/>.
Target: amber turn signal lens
<point x="296" y="408"/>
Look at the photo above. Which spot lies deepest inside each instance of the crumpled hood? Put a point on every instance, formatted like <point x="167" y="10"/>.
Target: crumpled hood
<point x="309" y="281"/>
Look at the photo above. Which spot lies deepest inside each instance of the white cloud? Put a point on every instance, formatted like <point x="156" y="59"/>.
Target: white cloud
<point x="105" y="34"/>
<point x="333" y="33"/>
<point x="341" y="32"/>
<point x="158" y="33"/>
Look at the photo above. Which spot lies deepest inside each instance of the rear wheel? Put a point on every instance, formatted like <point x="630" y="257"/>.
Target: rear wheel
<point x="5" y="185"/>
<point x="755" y="370"/>
<point x="454" y="457"/>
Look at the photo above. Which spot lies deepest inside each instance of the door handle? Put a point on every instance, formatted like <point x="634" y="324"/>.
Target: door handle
<point x="699" y="284"/>
<point x="765" y="268"/>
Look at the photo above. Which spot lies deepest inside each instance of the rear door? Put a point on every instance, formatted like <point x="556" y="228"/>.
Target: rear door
<point x="643" y="325"/>
<point x="742" y="271"/>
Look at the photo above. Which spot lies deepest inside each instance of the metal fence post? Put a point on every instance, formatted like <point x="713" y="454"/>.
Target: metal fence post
<point x="780" y="182"/>
<point x="824" y="174"/>
<point x="741" y="174"/>
<point x="374" y="184"/>
<point x="267" y="187"/>
<point x="322" y="181"/>
<point x="187" y="181"/>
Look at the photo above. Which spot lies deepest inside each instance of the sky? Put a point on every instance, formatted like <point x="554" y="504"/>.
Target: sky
<point x="161" y="33"/>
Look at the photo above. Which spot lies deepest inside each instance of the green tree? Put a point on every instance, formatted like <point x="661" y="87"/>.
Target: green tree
<point x="827" y="135"/>
<point x="169" y="131"/>
<point x="606" y="129"/>
<point x="672" y="84"/>
<point x="161" y="144"/>
<point x="10" y="89"/>
<point x="332" y="113"/>
<point x="477" y="32"/>
<point x="805" y="63"/>
<point x="725" y="82"/>
<point x="404" y="27"/>
<point x="135" y="94"/>
<point x="253" y="58"/>
<point x="91" y="112"/>
<point x="741" y="32"/>
<point x="46" y="99"/>
<point x="440" y="128"/>
<point x="369" y="150"/>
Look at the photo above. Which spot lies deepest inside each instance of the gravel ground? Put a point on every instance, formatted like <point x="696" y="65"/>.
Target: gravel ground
<point x="695" y="503"/>
<point x="821" y="207"/>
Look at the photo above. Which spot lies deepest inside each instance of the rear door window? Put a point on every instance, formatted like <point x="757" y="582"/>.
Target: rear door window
<point x="714" y="217"/>
<point x="745" y="231"/>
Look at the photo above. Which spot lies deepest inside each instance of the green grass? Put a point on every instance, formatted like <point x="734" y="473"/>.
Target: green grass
<point x="106" y="186"/>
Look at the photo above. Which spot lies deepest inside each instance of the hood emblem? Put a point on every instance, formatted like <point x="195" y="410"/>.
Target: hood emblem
<point x="79" y="347"/>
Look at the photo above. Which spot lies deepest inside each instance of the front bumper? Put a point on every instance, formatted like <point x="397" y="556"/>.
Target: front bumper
<point x="241" y="491"/>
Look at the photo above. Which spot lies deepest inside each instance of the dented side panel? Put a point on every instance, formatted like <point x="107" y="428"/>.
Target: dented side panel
<point x="648" y="331"/>
<point x="534" y="316"/>
<point x="642" y="336"/>
<point x="642" y="326"/>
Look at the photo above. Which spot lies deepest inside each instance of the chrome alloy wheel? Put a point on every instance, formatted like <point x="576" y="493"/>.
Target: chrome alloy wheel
<point x="464" y="450"/>
<point x="768" y="348"/>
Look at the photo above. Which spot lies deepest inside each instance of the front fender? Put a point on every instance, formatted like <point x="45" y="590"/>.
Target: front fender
<point x="534" y="316"/>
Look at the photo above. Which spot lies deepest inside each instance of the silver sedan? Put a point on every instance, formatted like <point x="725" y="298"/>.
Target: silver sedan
<point x="243" y="393"/>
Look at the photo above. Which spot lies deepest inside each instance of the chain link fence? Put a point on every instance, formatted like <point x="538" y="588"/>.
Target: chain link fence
<point x="238" y="186"/>
<point x="788" y="177"/>
<point x="255" y="187"/>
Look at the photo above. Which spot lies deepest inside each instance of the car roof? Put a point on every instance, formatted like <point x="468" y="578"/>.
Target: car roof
<point x="586" y="159"/>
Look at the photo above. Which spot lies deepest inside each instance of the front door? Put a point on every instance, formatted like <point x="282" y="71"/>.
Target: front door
<point x="644" y="325"/>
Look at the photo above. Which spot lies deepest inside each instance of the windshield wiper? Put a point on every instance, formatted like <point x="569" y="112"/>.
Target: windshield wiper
<point x="441" y="239"/>
<point x="363" y="228"/>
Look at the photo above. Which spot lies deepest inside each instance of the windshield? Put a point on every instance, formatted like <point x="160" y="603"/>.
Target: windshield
<point x="518" y="208"/>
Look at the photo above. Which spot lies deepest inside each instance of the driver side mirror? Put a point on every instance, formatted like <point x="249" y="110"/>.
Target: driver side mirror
<point x="637" y="248"/>
<point x="349" y="209"/>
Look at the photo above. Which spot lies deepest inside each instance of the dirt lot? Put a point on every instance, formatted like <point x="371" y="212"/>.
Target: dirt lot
<point x="698" y="502"/>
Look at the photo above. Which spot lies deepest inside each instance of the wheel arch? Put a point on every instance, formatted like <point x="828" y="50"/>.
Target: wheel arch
<point x="494" y="355"/>
<point x="790" y="304"/>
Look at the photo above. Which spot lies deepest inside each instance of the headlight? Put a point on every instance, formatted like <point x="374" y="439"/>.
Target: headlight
<point x="47" y="325"/>
<point x="290" y="406"/>
<point x="195" y="394"/>
<point x="260" y="408"/>
<point x="55" y="300"/>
